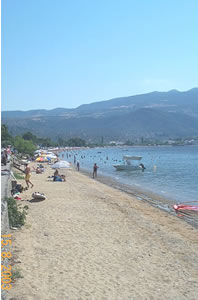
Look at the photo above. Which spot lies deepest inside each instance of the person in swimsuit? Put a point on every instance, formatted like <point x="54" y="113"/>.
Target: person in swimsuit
<point x="27" y="176"/>
<point x="95" y="167"/>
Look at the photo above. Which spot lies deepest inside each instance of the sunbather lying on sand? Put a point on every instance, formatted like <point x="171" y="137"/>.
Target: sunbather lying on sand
<point x="58" y="177"/>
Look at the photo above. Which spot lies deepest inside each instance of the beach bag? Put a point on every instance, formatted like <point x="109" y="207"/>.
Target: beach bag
<point x="38" y="196"/>
<point x="19" y="188"/>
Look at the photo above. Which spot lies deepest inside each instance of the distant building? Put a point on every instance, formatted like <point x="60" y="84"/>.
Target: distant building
<point x="116" y="143"/>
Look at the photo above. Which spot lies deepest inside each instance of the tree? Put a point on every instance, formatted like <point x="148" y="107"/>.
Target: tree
<point x="29" y="136"/>
<point x="23" y="146"/>
<point x="6" y="138"/>
<point x="76" y="142"/>
<point x="129" y="143"/>
<point x="61" y="142"/>
<point x="4" y="133"/>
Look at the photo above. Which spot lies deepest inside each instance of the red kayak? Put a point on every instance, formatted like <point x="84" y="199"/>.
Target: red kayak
<point x="185" y="207"/>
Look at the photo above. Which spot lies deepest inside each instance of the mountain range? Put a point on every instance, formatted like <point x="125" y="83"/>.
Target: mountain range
<point x="156" y="115"/>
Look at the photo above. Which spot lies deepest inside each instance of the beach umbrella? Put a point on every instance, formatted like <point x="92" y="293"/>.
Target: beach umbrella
<point x="37" y="151"/>
<point x="62" y="164"/>
<point x="43" y="151"/>
<point x="46" y="159"/>
<point x="51" y="156"/>
<point x="40" y="159"/>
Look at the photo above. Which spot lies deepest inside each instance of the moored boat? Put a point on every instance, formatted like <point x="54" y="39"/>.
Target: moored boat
<point x="131" y="163"/>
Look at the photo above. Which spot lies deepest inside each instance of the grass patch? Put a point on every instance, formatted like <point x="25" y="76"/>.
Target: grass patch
<point x="18" y="176"/>
<point x="16" y="274"/>
<point x="16" y="215"/>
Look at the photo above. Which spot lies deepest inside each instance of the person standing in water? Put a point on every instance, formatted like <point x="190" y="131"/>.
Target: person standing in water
<point x="78" y="166"/>
<point x="27" y="176"/>
<point x="95" y="167"/>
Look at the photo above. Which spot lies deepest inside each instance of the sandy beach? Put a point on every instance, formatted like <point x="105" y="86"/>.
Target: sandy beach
<point x="88" y="240"/>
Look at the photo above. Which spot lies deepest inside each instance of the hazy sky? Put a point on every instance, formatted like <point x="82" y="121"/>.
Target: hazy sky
<point x="65" y="53"/>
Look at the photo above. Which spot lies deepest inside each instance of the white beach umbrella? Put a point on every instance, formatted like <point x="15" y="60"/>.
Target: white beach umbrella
<point x="62" y="164"/>
<point x="51" y="155"/>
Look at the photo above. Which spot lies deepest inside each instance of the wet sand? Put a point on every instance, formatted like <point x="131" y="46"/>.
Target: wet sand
<point x="153" y="199"/>
<point x="88" y="240"/>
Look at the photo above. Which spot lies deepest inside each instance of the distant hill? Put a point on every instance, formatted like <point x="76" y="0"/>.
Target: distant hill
<point x="152" y="115"/>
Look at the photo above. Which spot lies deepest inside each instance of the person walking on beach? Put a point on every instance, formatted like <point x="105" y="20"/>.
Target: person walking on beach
<point x="78" y="166"/>
<point x="95" y="167"/>
<point x="28" y="175"/>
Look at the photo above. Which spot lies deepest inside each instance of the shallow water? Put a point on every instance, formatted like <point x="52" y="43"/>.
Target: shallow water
<point x="171" y="172"/>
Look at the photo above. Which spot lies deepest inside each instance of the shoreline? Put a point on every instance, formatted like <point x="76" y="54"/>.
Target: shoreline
<point x="158" y="177"/>
<point x="117" y="146"/>
<point x="154" y="199"/>
<point x="88" y="240"/>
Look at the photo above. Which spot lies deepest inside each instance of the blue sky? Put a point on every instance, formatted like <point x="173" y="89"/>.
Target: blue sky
<point x="66" y="53"/>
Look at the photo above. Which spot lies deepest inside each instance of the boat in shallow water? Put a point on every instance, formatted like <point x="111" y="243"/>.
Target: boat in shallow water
<point x="131" y="163"/>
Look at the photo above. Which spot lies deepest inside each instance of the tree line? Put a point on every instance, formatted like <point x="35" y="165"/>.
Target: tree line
<point x="27" y="143"/>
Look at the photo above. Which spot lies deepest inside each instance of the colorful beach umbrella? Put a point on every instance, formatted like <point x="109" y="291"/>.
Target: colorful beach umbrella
<point x="39" y="159"/>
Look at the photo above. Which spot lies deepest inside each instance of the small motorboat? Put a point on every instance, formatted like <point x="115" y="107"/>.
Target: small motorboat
<point x="131" y="163"/>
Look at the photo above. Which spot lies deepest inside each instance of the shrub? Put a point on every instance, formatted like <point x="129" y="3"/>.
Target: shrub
<point x="16" y="274"/>
<point x="16" y="216"/>
<point x="18" y="176"/>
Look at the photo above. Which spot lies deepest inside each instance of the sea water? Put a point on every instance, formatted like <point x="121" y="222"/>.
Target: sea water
<point x="170" y="171"/>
